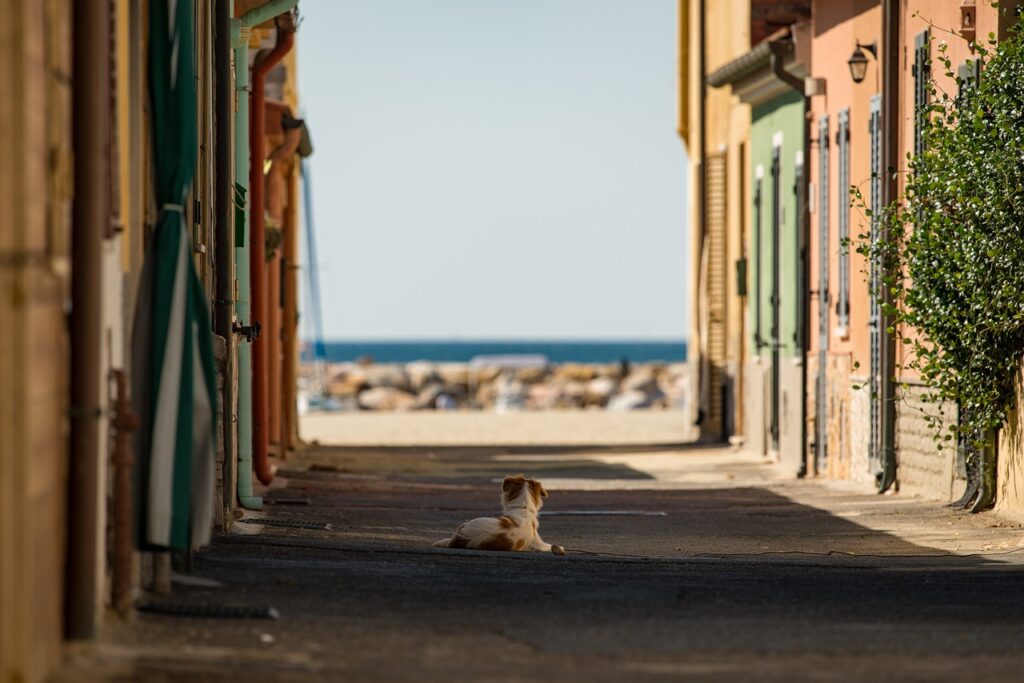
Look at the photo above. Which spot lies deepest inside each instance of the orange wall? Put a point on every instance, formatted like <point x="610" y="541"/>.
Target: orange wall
<point x="941" y="17"/>
<point x="836" y="26"/>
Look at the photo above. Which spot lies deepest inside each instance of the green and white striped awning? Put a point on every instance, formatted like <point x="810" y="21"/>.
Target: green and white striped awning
<point x="174" y="381"/>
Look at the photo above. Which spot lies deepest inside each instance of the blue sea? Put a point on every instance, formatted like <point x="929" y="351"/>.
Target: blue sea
<point x="462" y="351"/>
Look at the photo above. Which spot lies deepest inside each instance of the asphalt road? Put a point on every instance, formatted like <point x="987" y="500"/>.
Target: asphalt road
<point x="730" y="575"/>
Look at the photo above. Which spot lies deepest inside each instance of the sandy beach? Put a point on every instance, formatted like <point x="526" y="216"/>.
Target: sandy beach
<point x="527" y="428"/>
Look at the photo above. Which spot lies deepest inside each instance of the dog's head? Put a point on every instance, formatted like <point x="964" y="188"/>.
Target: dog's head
<point x="515" y="487"/>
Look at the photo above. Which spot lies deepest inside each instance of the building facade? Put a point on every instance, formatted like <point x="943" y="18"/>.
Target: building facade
<point x="844" y="340"/>
<point x="787" y="171"/>
<point x="762" y="81"/>
<point x="715" y="127"/>
<point x="79" y="215"/>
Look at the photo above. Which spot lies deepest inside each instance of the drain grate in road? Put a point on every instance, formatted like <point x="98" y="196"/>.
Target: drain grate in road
<point x="287" y="523"/>
<point x="194" y="609"/>
<point x="606" y="513"/>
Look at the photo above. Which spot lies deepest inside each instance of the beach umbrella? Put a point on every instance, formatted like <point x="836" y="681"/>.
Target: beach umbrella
<point x="173" y="374"/>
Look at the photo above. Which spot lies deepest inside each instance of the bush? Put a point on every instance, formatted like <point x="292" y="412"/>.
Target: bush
<point x="953" y="259"/>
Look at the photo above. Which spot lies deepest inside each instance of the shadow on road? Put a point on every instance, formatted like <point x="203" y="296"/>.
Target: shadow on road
<point x="734" y="581"/>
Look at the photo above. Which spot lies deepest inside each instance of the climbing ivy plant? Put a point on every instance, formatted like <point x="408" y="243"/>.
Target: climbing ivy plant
<point x="953" y="256"/>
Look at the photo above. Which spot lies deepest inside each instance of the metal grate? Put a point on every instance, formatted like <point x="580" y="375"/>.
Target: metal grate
<point x="287" y="523"/>
<point x="202" y="609"/>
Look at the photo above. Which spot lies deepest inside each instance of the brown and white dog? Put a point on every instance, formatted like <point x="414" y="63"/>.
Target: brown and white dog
<point x="521" y="500"/>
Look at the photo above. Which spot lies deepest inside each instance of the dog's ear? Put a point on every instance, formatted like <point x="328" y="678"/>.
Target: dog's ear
<point x="538" y="488"/>
<point x="510" y="481"/>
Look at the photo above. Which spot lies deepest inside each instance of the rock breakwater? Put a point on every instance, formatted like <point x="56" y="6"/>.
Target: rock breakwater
<point x="425" y="385"/>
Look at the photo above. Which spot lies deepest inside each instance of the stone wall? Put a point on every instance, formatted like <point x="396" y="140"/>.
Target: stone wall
<point x="1010" y="461"/>
<point x="839" y="406"/>
<point x="756" y="412"/>
<point x="860" y="430"/>
<point x="923" y="467"/>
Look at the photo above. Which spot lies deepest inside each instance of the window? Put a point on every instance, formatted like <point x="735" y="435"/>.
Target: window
<point x="969" y="72"/>
<point x="823" y="236"/>
<point x="875" y="319"/>
<point x="759" y="342"/>
<point x="800" y="193"/>
<point x="922" y="72"/>
<point x="843" y="204"/>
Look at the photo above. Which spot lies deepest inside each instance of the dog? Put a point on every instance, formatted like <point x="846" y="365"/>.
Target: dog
<point x="515" y="530"/>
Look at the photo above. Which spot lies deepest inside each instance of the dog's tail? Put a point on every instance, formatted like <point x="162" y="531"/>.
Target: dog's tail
<point x="443" y="543"/>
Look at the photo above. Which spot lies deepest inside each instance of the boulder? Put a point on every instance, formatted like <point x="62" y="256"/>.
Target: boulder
<point x="543" y="397"/>
<point x="392" y="376"/>
<point x="599" y="390"/>
<point x="640" y="379"/>
<point x="531" y="375"/>
<point x="576" y="371"/>
<point x="345" y="378"/>
<point x="509" y="393"/>
<point x="386" y="398"/>
<point x="426" y="399"/>
<point x="630" y="400"/>
<point x="453" y="374"/>
<point x="612" y="370"/>
<point x="574" y="391"/>
<point x="486" y="375"/>
<point x="421" y="374"/>
<point x="439" y="396"/>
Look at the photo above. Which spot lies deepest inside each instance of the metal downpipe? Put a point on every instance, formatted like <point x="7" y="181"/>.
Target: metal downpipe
<point x="290" y="321"/>
<point x="224" y="270"/>
<point x="240" y="39"/>
<point x="261" y="457"/>
<point x="890" y="188"/>
<point x="91" y="219"/>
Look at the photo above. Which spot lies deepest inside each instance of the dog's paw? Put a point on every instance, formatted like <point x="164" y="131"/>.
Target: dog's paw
<point x="558" y="550"/>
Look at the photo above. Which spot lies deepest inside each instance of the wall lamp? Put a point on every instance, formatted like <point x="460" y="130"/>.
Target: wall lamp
<point x="858" y="61"/>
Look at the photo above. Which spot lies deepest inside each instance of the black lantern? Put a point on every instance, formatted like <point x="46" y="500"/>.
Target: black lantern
<point x="859" y="61"/>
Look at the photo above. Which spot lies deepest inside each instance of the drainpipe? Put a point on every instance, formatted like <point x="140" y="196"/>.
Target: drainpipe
<point x="700" y="182"/>
<point x="261" y="458"/>
<point x="124" y="425"/>
<point x="224" y="271"/>
<point x="891" y="158"/>
<point x="240" y="31"/>
<point x="290" y="322"/>
<point x="778" y="53"/>
<point x="240" y="42"/>
<point x="91" y="220"/>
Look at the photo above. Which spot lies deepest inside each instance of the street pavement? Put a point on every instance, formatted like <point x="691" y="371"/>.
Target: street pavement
<point x="683" y="563"/>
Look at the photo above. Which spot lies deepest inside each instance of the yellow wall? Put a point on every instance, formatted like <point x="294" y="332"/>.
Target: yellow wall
<point x="727" y="122"/>
<point x="34" y="238"/>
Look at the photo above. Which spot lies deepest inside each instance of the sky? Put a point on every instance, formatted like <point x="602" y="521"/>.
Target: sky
<point x="496" y="169"/>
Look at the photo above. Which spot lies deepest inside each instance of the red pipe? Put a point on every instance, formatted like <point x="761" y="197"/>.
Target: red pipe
<point x="257" y="157"/>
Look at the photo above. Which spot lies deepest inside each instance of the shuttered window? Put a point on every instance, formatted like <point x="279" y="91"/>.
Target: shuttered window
<point x="715" y="182"/>
<point x="969" y="73"/>
<point x="759" y="341"/>
<point x="821" y="385"/>
<point x="843" y="206"/>
<point x="875" y="319"/>
<point x="800" y="192"/>
<point x="823" y="233"/>
<point x="921" y="72"/>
